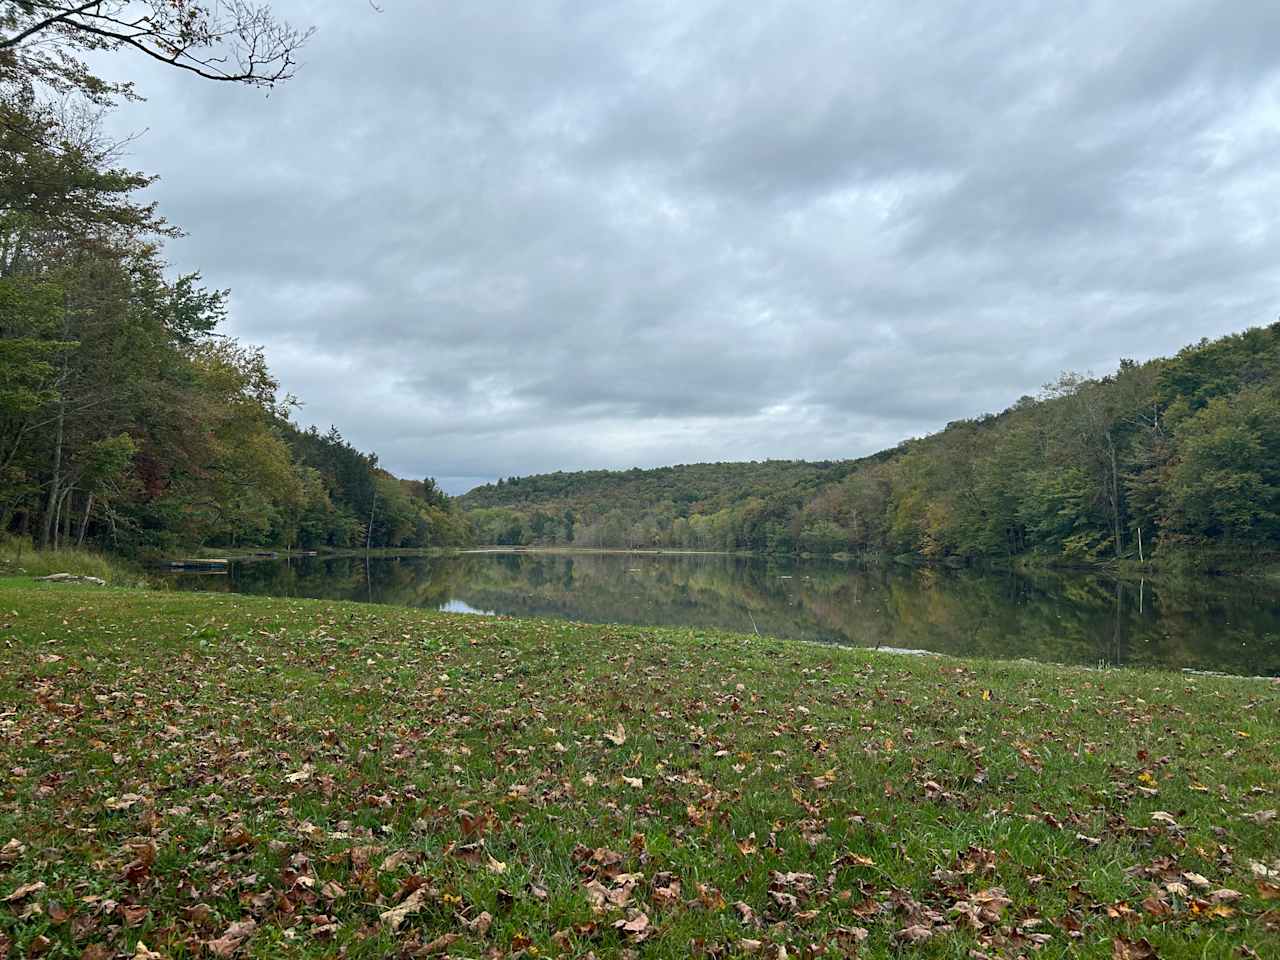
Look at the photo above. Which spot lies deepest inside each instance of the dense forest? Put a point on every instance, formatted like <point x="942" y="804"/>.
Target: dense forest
<point x="127" y="420"/>
<point x="1174" y="453"/>
<point x="713" y="505"/>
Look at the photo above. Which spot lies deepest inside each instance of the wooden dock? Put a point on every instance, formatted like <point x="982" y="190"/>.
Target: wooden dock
<point x="199" y="563"/>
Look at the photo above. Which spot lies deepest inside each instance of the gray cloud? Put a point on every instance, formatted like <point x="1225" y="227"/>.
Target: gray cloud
<point x="487" y="239"/>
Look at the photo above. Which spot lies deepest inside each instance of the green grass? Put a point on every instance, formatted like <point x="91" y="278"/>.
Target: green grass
<point x="174" y="764"/>
<point x="20" y="559"/>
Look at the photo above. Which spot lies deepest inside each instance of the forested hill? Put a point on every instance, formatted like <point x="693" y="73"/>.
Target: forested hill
<point x="1182" y="452"/>
<point x="641" y="507"/>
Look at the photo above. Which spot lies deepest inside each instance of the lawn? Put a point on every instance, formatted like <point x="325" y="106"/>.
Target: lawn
<point x="194" y="775"/>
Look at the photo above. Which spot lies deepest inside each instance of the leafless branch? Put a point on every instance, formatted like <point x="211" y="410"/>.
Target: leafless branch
<point x="234" y="41"/>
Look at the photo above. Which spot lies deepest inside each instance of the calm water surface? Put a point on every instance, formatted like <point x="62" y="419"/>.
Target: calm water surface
<point x="1227" y="625"/>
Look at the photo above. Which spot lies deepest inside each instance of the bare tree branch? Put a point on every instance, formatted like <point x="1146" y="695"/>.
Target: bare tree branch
<point x="234" y="41"/>
<point x="44" y="24"/>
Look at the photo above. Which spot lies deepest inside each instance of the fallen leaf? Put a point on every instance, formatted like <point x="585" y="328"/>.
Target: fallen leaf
<point x="439" y="945"/>
<point x="1122" y="948"/>
<point x="915" y="933"/>
<point x="636" y="926"/>
<point x="394" y="917"/>
<point x="617" y="736"/>
<point x="230" y="941"/>
<point x="25" y="890"/>
<point x="11" y="851"/>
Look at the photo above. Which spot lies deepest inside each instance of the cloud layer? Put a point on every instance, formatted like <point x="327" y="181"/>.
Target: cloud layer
<point x="488" y="239"/>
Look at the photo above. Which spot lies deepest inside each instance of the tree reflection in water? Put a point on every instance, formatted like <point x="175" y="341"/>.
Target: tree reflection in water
<point x="1198" y="623"/>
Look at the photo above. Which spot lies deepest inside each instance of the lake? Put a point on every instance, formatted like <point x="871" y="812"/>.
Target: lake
<point x="1217" y="624"/>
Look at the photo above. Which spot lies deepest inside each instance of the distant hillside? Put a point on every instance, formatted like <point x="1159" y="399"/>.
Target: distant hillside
<point x="636" y="508"/>
<point x="1182" y="453"/>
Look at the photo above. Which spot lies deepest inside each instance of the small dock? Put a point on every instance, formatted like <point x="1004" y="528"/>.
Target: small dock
<point x="199" y="563"/>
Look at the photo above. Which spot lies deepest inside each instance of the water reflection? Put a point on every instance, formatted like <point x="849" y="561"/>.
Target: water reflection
<point x="1202" y="623"/>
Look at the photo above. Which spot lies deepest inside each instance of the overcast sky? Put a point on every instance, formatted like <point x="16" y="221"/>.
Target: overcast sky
<point x="495" y="238"/>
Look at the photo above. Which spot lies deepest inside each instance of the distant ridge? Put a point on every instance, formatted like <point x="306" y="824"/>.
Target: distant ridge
<point x="1179" y="455"/>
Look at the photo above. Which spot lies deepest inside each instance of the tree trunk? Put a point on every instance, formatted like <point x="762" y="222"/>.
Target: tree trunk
<point x="1115" y="495"/>
<point x="84" y="523"/>
<point x="68" y="503"/>
<point x="55" y="482"/>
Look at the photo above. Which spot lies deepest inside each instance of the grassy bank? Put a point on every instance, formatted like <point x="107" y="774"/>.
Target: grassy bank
<point x="216" y="775"/>
<point x="19" y="559"/>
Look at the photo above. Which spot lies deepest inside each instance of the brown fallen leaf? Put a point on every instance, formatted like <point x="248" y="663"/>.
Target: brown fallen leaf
<point x="475" y="825"/>
<point x="237" y="838"/>
<point x="617" y="736"/>
<point x="439" y="945"/>
<point x="393" y="918"/>
<point x="983" y="908"/>
<point x="396" y="860"/>
<point x="230" y="941"/>
<point x="916" y="933"/>
<point x="850" y="937"/>
<point x="602" y="897"/>
<point x="1153" y="906"/>
<point x="11" y="851"/>
<point x="666" y="890"/>
<point x="636" y="926"/>
<point x="1122" y="948"/>
<point x="25" y="890"/>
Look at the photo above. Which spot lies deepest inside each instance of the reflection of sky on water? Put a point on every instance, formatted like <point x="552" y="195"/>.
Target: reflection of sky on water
<point x="461" y="606"/>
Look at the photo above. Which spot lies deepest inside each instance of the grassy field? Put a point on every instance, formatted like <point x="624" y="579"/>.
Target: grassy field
<point x="213" y="775"/>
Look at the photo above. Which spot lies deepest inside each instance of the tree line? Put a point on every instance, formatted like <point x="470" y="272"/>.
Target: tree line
<point x="127" y="420"/>
<point x="1176" y="455"/>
